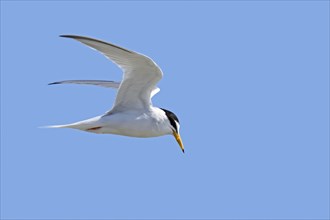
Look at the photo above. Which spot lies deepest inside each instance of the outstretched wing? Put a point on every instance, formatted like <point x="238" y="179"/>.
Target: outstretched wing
<point x="102" y="83"/>
<point x="141" y="74"/>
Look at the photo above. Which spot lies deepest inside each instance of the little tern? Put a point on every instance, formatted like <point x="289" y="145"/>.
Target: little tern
<point x="132" y="113"/>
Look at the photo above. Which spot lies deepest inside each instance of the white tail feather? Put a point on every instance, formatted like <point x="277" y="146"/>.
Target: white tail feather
<point x="56" y="126"/>
<point x="81" y="125"/>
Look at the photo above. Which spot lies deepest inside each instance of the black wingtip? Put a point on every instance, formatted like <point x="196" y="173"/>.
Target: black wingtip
<point x="182" y="150"/>
<point x="53" y="83"/>
<point x="68" y="36"/>
<point x="80" y="38"/>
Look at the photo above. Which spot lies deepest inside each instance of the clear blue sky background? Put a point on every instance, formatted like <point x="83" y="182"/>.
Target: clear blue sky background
<point x="248" y="80"/>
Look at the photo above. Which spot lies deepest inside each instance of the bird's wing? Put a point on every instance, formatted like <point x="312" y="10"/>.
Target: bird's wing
<point x="141" y="73"/>
<point x="102" y="83"/>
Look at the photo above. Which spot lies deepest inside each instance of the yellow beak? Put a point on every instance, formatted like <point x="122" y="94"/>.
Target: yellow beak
<point x="178" y="139"/>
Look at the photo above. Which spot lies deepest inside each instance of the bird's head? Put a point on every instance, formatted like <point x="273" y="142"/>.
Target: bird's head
<point x="175" y="126"/>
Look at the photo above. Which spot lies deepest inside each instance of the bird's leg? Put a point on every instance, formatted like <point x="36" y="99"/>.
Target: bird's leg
<point x="93" y="129"/>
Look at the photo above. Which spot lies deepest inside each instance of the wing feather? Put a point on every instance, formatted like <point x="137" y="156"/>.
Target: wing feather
<point x="141" y="74"/>
<point x="102" y="83"/>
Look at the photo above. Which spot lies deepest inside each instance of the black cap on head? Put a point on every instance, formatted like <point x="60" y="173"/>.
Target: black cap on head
<point x="173" y="118"/>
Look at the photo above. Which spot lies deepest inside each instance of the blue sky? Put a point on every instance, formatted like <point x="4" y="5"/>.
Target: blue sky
<point x="249" y="81"/>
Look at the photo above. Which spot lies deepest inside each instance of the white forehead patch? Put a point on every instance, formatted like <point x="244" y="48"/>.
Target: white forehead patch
<point x="177" y="125"/>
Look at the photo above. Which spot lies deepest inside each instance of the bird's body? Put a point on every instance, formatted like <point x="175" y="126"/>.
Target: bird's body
<point x="132" y="114"/>
<point x="144" y="123"/>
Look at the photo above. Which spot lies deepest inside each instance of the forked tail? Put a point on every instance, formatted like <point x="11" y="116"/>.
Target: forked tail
<point x="57" y="126"/>
<point x="85" y="125"/>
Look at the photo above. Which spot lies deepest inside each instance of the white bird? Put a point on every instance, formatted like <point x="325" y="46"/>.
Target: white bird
<point x="132" y="113"/>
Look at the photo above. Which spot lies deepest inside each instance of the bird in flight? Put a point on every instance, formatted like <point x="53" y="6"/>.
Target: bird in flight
<point x="132" y="113"/>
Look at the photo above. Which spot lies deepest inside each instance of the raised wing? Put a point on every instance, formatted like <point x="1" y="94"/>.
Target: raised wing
<point x="102" y="83"/>
<point x="140" y="77"/>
